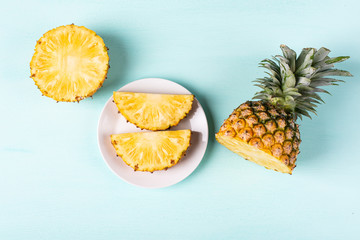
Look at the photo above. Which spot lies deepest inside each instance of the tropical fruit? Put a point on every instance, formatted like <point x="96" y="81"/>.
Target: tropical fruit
<point x="151" y="151"/>
<point x="70" y="63"/>
<point x="153" y="111"/>
<point x="265" y="131"/>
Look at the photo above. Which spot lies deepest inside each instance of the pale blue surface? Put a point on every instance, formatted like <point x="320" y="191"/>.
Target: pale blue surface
<point x="55" y="185"/>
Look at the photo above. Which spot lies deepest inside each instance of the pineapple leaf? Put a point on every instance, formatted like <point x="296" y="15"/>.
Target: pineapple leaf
<point x="295" y="94"/>
<point x="336" y="59"/>
<point x="300" y="112"/>
<point x="321" y="54"/>
<point x="260" y="86"/>
<point x="261" y="96"/>
<point x="324" y="82"/>
<point x="260" y="80"/>
<point x="288" y="90"/>
<point x="307" y="104"/>
<point x="271" y="67"/>
<point x="287" y="75"/>
<point x="320" y="66"/>
<point x="325" y="67"/>
<point x="289" y="103"/>
<point x="306" y="107"/>
<point x="314" y="95"/>
<point x="308" y="91"/>
<point x="283" y="59"/>
<point x="307" y="72"/>
<point x="276" y="91"/>
<point x="313" y="100"/>
<point x="277" y="101"/>
<point x="290" y="55"/>
<point x="303" y="81"/>
<point x="304" y="88"/>
<point x="272" y="79"/>
<point x="271" y="63"/>
<point x="305" y="59"/>
<point x="268" y="91"/>
<point x="276" y="60"/>
<point x="332" y="72"/>
<point x="321" y="90"/>
<point x="301" y="58"/>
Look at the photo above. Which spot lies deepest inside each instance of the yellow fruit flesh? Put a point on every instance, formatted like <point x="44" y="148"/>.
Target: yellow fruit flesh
<point x="253" y="153"/>
<point x="151" y="151"/>
<point x="153" y="111"/>
<point x="70" y="63"/>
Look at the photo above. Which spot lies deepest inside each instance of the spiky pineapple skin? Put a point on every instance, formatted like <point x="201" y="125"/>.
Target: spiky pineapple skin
<point x="266" y="128"/>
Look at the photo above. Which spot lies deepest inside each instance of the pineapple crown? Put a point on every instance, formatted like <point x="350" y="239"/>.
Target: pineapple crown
<point x="294" y="82"/>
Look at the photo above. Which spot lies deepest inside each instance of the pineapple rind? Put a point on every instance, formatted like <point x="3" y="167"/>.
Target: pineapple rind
<point x="151" y="151"/>
<point x="77" y="93"/>
<point x="163" y="105"/>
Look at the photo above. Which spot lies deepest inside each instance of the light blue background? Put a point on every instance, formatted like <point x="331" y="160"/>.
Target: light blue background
<point x="55" y="185"/>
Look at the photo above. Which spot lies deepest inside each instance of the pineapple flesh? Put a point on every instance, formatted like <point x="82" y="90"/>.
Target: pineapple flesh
<point x="265" y="132"/>
<point x="70" y="63"/>
<point x="153" y="111"/>
<point x="151" y="151"/>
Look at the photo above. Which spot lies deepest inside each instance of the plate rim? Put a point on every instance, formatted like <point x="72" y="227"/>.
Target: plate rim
<point x="136" y="184"/>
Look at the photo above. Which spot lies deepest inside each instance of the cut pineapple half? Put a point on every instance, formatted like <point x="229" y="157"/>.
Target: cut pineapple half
<point x="70" y="63"/>
<point x="151" y="151"/>
<point x="153" y="111"/>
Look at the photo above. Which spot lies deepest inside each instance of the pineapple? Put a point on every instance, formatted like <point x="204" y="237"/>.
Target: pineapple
<point x="153" y="111"/>
<point x="151" y="151"/>
<point x="70" y="63"/>
<point x="265" y="131"/>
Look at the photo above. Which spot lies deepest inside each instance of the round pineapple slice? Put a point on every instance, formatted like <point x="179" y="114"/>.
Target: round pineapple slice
<point x="153" y="111"/>
<point x="70" y="63"/>
<point x="151" y="151"/>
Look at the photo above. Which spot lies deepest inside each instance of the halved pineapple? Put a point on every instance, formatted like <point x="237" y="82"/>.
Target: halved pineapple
<point x="265" y="132"/>
<point x="70" y="63"/>
<point x="153" y="111"/>
<point x="151" y="151"/>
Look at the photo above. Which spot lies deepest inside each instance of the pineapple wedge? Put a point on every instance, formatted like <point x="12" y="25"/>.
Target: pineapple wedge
<point x="151" y="151"/>
<point x="70" y="63"/>
<point x="153" y="111"/>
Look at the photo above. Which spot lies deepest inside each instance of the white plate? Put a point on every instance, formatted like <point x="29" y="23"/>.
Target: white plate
<point x="111" y="122"/>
